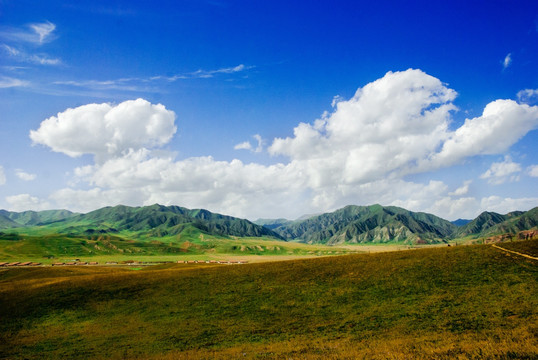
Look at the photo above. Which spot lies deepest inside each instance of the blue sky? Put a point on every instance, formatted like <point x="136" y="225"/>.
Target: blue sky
<point x="269" y="109"/>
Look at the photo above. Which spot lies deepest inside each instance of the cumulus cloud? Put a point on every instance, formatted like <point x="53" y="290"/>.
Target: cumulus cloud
<point x="452" y="209"/>
<point x="23" y="202"/>
<point x="507" y="60"/>
<point x="248" y="146"/>
<point x="501" y="172"/>
<point x="360" y="152"/>
<point x="506" y="205"/>
<point x="243" y="146"/>
<point x="533" y="170"/>
<point x="502" y="124"/>
<point x="21" y="174"/>
<point x="398" y="125"/>
<point x="463" y="190"/>
<point x="384" y="130"/>
<point x="2" y="176"/>
<point x="107" y="130"/>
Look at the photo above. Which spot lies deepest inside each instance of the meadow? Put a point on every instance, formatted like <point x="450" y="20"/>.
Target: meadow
<point x="459" y="302"/>
<point x="52" y="248"/>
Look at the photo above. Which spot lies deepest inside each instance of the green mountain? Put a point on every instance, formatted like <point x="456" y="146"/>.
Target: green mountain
<point x="272" y="223"/>
<point x="6" y="222"/>
<point x="351" y="224"/>
<point x="486" y="222"/>
<point x="157" y="221"/>
<point x="364" y="224"/>
<point x="513" y="223"/>
<point x="461" y="222"/>
<point x="30" y="218"/>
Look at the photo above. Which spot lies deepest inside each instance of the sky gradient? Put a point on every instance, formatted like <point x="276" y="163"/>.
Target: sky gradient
<point x="269" y="109"/>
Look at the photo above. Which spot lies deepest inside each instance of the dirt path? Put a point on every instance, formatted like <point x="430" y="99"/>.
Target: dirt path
<point x="515" y="252"/>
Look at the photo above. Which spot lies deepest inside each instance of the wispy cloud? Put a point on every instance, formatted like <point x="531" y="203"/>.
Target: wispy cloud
<point x="145" y="83"/>
<point x="36" y="33"/>
<point x="119" y="84"/>
<point x="22" y="56"/>
<point x="43" y="30"/>
<point x="528" y="96"/>
<point x="2" y="176"/>
<point x="204" y="74"/>
<point x="507" y="61"/>
<point x="8" y="82"/>
<point x="23" y="175"/>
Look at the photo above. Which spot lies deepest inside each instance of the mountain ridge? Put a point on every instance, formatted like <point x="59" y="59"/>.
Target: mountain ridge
<point x="350" y="224"/>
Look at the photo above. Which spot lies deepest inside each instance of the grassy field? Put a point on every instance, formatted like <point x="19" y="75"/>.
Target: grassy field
<point x="51" y="248"/>
<point x="474" y="302"/>
<point x="525" y="247"/>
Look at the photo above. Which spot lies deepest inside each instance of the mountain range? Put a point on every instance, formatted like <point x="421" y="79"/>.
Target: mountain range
<point x="155" y="221"/>
<point x="351" y="224"/>
<point x="381" y="224"/>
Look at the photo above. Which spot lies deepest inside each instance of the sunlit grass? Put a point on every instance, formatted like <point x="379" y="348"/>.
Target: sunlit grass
<point x="442" y="303"/>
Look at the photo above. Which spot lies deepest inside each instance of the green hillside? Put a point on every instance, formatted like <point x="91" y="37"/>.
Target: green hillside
<point x="460" y="302"/>
<point x="145" y="222"/>
<point x="369" y="224"/>
<point x="373" y="224"/>
<point x="272" y="223"/>
<point x="490" y="223"/>
<point x="29" y="218"/>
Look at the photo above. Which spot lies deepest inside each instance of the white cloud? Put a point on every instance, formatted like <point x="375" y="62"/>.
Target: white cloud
<point x="384" y="130"/>
<point x="360" y="153"/>
<point x="2" y="176"/>
<point x="21" y="174"/>
<point x="210" y="73"/>
<point x="143" y="84"/>
<point x="43" y="30"/>
<point x="463" y="190"/>
<point x="533" y="170"/>
<point x="501" y="172"/>
<point x="8" y="82"/>
<point x="502" y="124"/>
<point x="453" y="209"/>
<point x="248" y="146"/>
<point x="505" y="205"/>
<point x="23" y="202"/>
<point x="36" y="33"/>
<point x="106" y="130"/>
<point x="243" y="146"/>
<point x="22" y="56"/>
<point x="507" y="60"/>
<point x="528" y="96"/>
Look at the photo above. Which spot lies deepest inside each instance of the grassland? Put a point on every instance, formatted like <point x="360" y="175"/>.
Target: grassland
<point x="50" y="248"/>
<point x="525" y="247"/>
<point x="443" y="303"/>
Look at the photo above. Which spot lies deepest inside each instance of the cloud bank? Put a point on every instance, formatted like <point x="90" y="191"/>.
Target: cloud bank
<point x="361" y="152"/>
